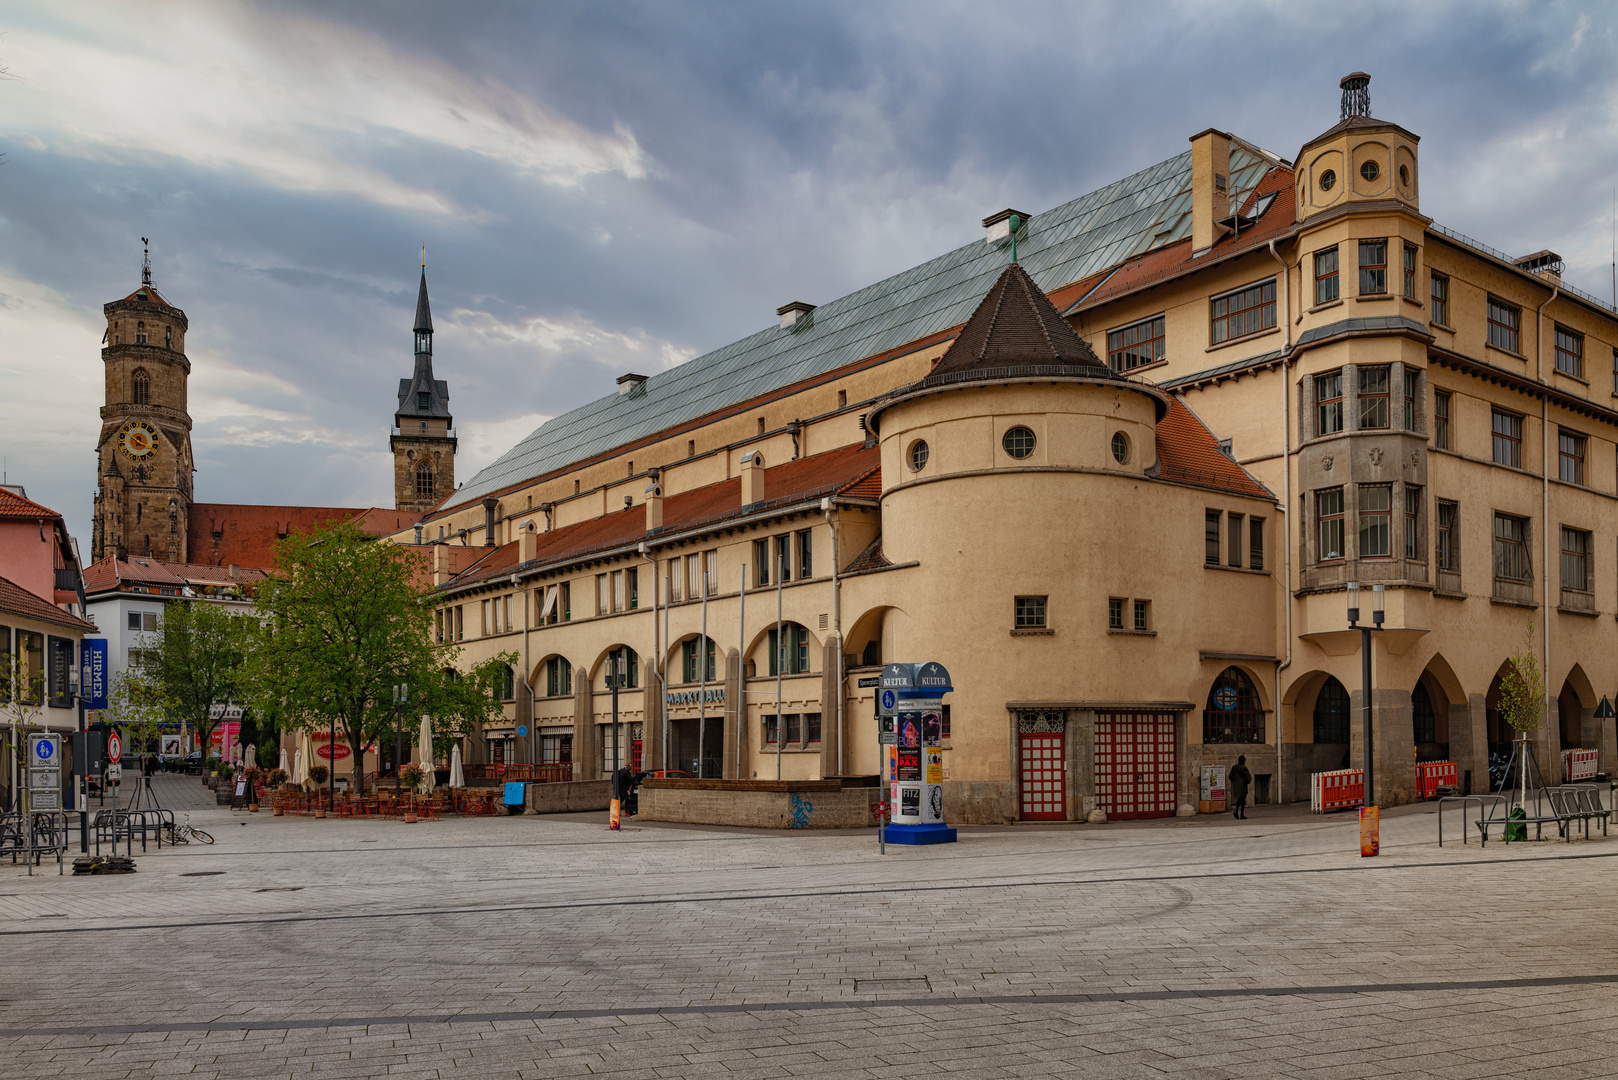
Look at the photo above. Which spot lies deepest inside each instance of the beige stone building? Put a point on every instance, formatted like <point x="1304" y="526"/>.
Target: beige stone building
<point x="1118" y="490"/>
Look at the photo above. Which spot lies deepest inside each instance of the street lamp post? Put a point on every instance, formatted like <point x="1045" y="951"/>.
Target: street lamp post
<point x="401" y="694"/>
<point x="1365" y="670"/>
<point x="613" y="679"/>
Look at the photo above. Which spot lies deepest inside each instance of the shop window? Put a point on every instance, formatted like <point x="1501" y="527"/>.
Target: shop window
<point x="1331" y="713"/>
<point x="1233" y="713"/>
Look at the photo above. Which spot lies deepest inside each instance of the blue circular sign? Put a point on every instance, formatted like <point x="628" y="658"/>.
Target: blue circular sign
<point x="522" y="730"/>
<point x="888" y="699"/>
<point x="43" y="749"/>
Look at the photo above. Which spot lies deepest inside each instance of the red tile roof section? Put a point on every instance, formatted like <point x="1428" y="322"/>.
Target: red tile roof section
<point x="13" y="505"/>
<point x="155" y="297"/>
<point x="111" y="573"/>
<point x="16" y="600"/>
<point x="831" y="472"/>
<point x="868" y="486"/>
<point x="247" y="534"/>
<point x="1189" y="453"/>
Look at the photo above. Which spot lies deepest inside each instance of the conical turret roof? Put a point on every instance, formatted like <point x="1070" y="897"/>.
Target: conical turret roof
<point x="424" y="314"/>
<point x="1016" y="325"/>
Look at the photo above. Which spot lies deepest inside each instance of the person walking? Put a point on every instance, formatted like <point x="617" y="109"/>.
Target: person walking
<point x="1237" y="781"/>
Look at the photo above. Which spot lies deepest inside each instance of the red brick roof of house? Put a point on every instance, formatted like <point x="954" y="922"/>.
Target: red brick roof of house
<point x="112" y="573"/>
<point x="1189" y="453"/>
<point x="13" y="505"/>
<point x="18" y="601"/>
<point x="219" y="534"/>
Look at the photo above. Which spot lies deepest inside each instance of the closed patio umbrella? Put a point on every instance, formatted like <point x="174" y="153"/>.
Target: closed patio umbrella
<point x="300" y="759"/>
<point x="252" y="756"/>
<point x="424" y="752"/>
<point x="456" y="778"/>
<point x="283" y="765"/>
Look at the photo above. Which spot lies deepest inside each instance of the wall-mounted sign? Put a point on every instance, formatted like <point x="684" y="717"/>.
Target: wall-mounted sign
<point x="694" y="697"/>
<point x="93" y="672"/>
<point x="330" y="751"/>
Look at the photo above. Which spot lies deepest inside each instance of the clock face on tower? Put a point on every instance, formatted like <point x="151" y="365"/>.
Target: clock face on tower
<point x="137" y="440"/>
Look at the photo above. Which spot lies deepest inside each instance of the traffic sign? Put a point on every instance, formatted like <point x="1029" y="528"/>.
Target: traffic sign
<point x="522" y="731"/>
<point x="115" y="747"/>
<point x="46" y="749"/>
<point x="889" y="701"/>
<point x="115" y="771"/>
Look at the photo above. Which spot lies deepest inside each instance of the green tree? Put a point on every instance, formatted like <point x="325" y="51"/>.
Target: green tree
<point x="342" y="621"/>
<point x="1522" y="687"/>
<point x="193" y="661"/>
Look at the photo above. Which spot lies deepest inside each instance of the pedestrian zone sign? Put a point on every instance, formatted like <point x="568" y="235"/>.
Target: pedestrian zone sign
<point x="115" y="747"/>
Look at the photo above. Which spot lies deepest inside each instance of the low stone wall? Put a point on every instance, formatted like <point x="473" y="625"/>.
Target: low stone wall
<point x="568" y="797"/>
<point x="759" y="804"/>
<point x="979" y="802"/>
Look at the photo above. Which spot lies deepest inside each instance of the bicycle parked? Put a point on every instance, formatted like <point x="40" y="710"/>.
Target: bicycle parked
<point x="185" y="832"/>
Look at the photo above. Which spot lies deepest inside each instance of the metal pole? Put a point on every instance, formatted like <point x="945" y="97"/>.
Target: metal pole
<point x="398" y="739"/>
<point x="331" y="770"/>
<point x="741" y="666"/>
<point x="702" y="684"/>
<point x="780" y="663"/>
<point x="614" y="678"/>
<point x="668" y="596"/>
<point x="83" y="792"/>
<point x="1365" y="673"/>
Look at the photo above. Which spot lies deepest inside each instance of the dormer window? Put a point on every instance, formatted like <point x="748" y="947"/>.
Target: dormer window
<point x="424" y="402"/>
<point x="424" y="426"/>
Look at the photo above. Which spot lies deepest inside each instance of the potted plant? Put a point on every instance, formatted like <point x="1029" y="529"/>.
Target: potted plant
<point x="252" y="777"/>
<point x="318" y="774"/>
<point x="412" y="775"/>
<point x="278" y="777"/>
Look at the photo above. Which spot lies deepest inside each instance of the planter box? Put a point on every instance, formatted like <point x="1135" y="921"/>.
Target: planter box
<point x="768" y="804"/>
<point x="569" y="797"/>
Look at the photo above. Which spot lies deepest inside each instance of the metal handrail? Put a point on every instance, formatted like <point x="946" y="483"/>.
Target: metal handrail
<point x="1496" y="253"/>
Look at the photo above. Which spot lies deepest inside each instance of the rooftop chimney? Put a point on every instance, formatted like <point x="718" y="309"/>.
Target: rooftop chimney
<point x="527" y="544"/>
<point x="1356" y="94"/>
<point x="1210" y="188"/>
<point x="628" y="384"/>
<point x="418" y="534"/>
<point x="489" y="505"/>
<point x="997" y="227"/>
<point x="752" y="477"/>
<point x="235" y="571"/>
<point x="794" y="313"/>
<point x="440" y="563"/>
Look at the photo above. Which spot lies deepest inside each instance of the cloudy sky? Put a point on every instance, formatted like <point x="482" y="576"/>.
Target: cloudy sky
<point x="605" y="187"/>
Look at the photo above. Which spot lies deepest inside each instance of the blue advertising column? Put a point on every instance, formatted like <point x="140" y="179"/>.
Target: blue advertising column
<point x="916" y="758"/>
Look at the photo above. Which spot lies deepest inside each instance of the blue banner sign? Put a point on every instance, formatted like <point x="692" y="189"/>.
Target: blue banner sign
<point x="93" y="672"/>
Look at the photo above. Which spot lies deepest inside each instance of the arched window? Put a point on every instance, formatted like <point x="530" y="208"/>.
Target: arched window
<point x="1233" y="714"/>
<point x="1331" y="713"/>
<point x="168" y="337"/>
<point x="624" y="662"/>
<point x="790" y="654"/>
<point x="141" y="385"/>
<point x="424" y="480"/>
<point x="140" y="333"/>
<point x="1422" y="719"/>
<point x="558" y="677"/>
<point x="505" y="684"/>
<point x="691" y="653"/>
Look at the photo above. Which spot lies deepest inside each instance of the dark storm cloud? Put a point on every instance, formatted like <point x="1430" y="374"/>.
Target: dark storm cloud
<point x="607" y="187"/>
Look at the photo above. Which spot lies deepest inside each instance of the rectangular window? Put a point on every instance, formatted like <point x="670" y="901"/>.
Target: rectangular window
<point x="1210" y="528"/>
<point x="1449" y="551"/>
<point x="31" y="667"/>
<point x="693" y="577"/>
<point x="710" y="571"/>
<point x="619" y="599"/>
<point x="1615" y="371"/>
<point x="761" y="562"/>
<point x="438" y="626"/>
<point x="1243" y="312"/>
<point x="694" y="664"/>
<point x="1374" y="396"/>
<point x="1569" y="352"/>
<point x="1575" y="559"/>
<point x="603" y="594"/>
<point x="1329" y="410"/>
<point x="424" y="401"/>
<point x="783" y="557"/>
<point x="1373" y="267"/>
<point x="1115" y="613"/>
<point x="1412" y="388"/>
<point x="811" y="727"/>
<point x="1143" y="613"/>
<point x="1440" y="312"/>
<point x="769" y="730"/>
<point x="1136" y="346"/>
<point x="806" y="555"/>
<point x="556" y="749"/>
<point x="1511" y="548"/>
<point x="460" y="622"/>
<point x="564" y="601"/>
<point x="789" y="656"/>
<point x="1326" y="287"/>
<point x="1234" y="524"/>
<point x="1504" y="323"/>
<point x="1570" y="456"/>
<point x="1507" y="439"/>
<point x="1030" y="612"/>
<point x="1410" y="271"/>
<point x="1329" y="522"/>
<point x="1255" y="547"/>
<point x="1441" y="420"/>
<point x="485" y="631"/>
<point x="675" y="576"/>
<point x="143" y="620"/>
<point x="632" y="586"/>
<point x="1412" y="522"/>
<point x="794" y="728"/>
<point x="1375" y="506"/>
<point x="558" y="677"/>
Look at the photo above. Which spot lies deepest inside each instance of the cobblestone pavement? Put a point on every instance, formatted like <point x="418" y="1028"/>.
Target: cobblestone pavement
<point x="550" y="947"/>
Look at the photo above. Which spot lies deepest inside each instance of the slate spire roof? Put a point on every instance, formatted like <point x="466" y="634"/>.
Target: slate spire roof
<point x="424" y="314"/>
<point x="421" y="380"/>
<point x="1016" y="325"/>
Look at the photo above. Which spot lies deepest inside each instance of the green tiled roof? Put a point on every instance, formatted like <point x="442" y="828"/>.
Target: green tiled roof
<point x="1148" y="210"/>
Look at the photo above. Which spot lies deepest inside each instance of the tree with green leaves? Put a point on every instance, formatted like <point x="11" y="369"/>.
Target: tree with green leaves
<point x="1523" y="701"/>
<point x="342" y="621"/>
<point x="193" y="661"/>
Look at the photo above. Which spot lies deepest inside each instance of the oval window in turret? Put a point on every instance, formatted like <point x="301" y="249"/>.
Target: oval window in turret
<point x="1328" y="179"/>
<point x="1370" y="171"/>
<point x="1019" y="442"/>
<point x="918" y="455"/>
<point x="1404" y="175"/>
<point x="1120" y="448"/>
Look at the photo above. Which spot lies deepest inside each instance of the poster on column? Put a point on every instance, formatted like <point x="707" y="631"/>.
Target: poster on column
<point x="909" y="765"/>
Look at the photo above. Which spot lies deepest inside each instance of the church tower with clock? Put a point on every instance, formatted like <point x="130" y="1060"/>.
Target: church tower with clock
<point x="143" y="483"/>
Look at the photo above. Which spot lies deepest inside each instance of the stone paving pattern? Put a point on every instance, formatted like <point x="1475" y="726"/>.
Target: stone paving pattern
<point x="551" y="947"/>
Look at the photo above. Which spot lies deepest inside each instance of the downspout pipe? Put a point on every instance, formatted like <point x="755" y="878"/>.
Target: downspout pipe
<point x="1286" y="508"/>
<point x="527" y="721"/>
<point x="837" y="629"/>
<point x="1545" y="485"/>
<point x="657" y="653"/>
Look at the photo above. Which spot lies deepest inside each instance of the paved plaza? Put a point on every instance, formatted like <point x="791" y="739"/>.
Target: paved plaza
<point x="550" y="947"/>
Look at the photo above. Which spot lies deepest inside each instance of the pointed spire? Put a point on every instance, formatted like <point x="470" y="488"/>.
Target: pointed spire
<point x="1016" y="325"/>
<point x="424" y="314"/>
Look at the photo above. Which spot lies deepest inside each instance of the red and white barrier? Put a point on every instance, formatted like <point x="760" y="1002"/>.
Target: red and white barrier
<point x="1578" y="765"/>
<point x="1336" y="790"/>
<point x="1432" y="775"/>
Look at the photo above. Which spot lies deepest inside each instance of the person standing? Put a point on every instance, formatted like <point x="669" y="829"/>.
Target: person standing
<point x="1237" y="781"/>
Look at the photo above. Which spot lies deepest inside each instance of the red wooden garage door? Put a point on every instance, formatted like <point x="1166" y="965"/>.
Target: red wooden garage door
<point x="1135" y="764"/>
<point x="1044" y="792"/>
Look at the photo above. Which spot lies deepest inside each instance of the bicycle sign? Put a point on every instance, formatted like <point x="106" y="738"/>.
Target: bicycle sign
<point x="115" y="747"/>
